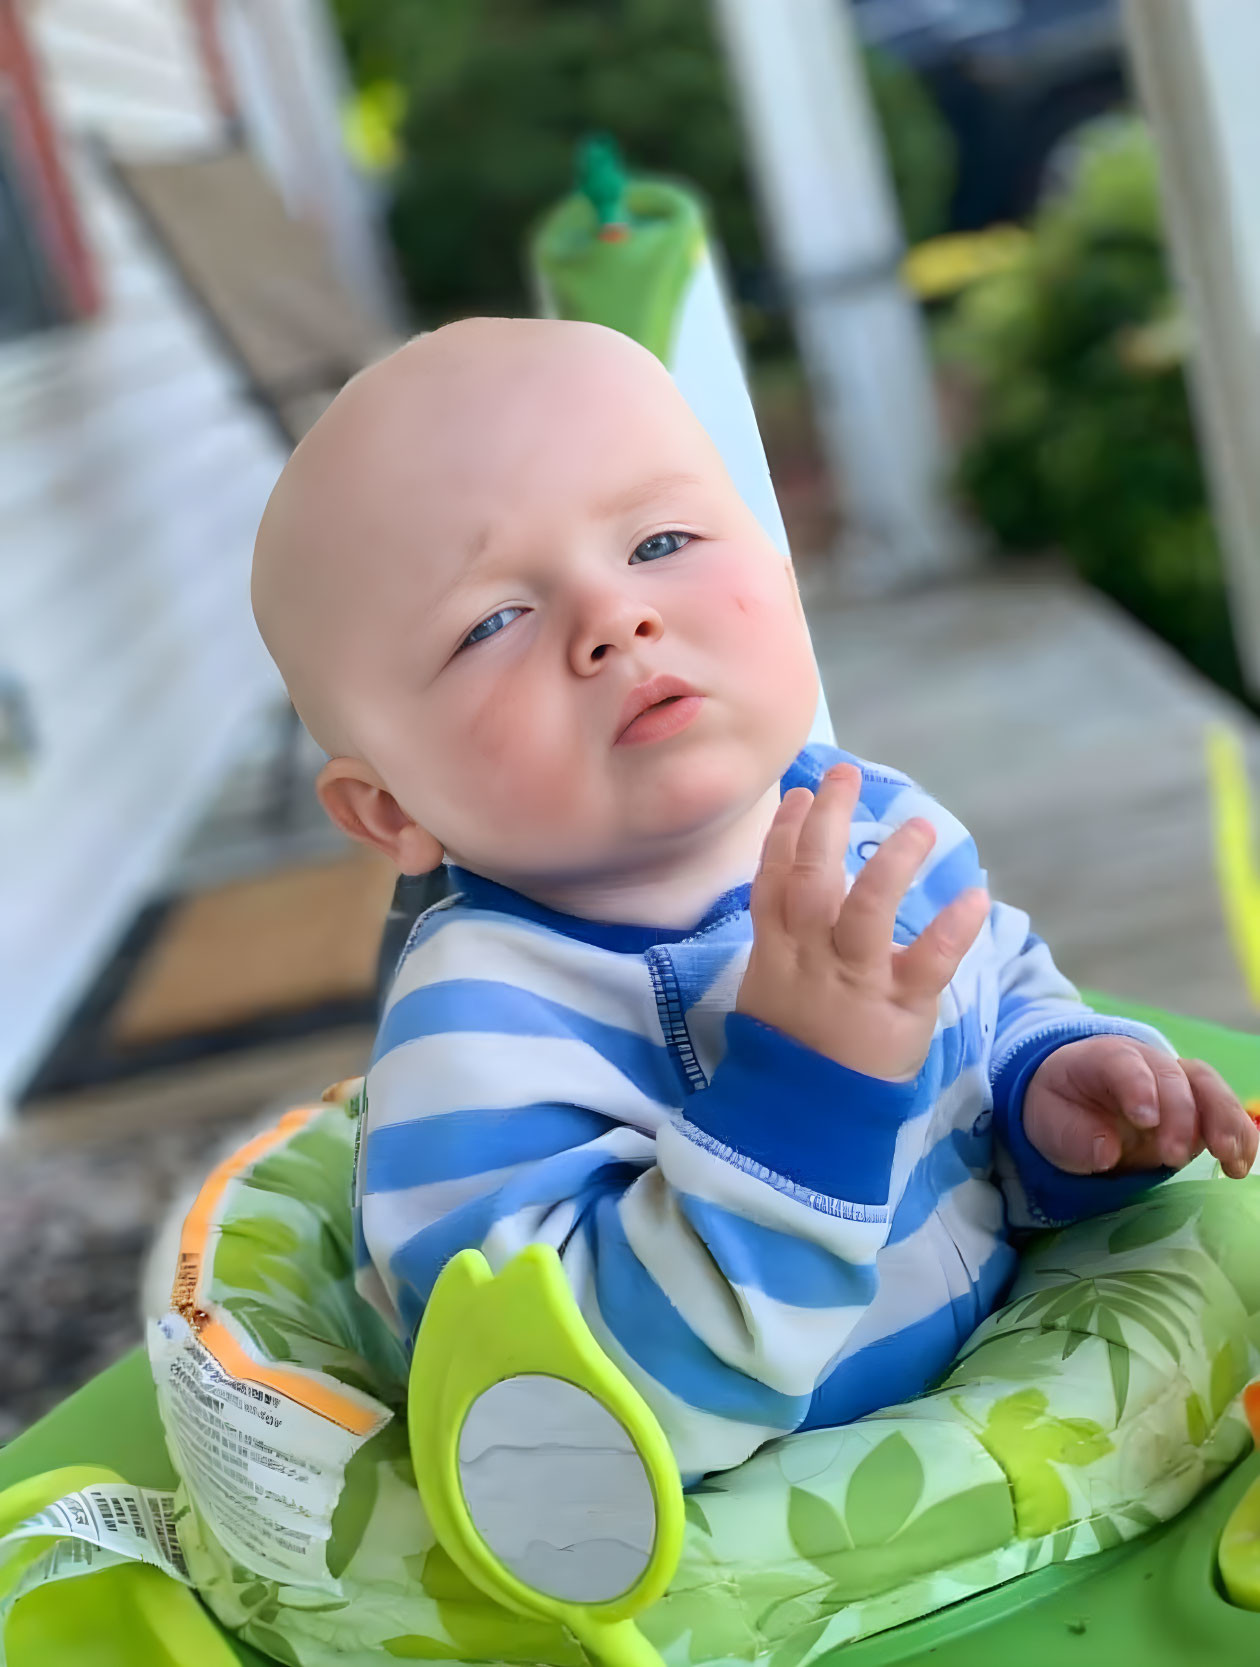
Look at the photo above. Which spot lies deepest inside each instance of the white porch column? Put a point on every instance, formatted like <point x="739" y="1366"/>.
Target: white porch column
<point x="1196" y="64"/>
<point x="828" y="206"/>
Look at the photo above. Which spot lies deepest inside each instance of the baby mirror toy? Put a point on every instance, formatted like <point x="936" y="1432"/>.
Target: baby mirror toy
<point x="543" y="1472"/>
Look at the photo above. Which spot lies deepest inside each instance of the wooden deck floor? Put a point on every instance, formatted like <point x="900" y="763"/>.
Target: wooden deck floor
<point x="1070" y="742"/>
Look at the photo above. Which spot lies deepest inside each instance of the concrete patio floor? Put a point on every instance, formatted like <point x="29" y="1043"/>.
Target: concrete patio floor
<point x="1070" y="741"/>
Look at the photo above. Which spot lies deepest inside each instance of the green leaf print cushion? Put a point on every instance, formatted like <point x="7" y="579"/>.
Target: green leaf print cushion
<point x="1095" y="1404"/>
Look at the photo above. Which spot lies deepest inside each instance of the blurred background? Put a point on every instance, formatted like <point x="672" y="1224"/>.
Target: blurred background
<point x="1014" y="453"/>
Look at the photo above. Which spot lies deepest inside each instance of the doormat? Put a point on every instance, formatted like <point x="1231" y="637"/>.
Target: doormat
<point x="256" y="961"/>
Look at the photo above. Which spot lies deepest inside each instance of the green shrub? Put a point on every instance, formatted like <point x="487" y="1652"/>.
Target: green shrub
<point x="498" y="92"/>
<point x="1084" y="437"/>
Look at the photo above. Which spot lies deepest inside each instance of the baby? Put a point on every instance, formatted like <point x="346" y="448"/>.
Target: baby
<point x="729" y="1021"/>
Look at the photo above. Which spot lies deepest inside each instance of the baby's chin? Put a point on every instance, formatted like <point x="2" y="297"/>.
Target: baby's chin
<point x="684" y="806"/>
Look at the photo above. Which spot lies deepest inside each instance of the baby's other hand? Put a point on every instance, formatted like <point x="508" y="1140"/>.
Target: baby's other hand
<point x="824" y="968"/>
<point x="1113" y="1103"/>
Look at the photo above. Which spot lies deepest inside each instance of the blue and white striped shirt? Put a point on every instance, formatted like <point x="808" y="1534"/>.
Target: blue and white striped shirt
<point x="761" y="1239"/>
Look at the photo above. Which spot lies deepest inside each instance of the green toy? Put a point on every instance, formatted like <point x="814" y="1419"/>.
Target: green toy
<point x="601" y="178"/>
<point x="520" y="1342"/>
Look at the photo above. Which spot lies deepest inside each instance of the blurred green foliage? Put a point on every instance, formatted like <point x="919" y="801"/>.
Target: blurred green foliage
<point x="1084" y="439"/>
<point x="496" y="94"/>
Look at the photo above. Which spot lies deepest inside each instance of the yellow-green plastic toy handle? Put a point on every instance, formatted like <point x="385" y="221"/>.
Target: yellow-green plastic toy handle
<point x="1239" y="1554"/>
<point x="479" y="1329"/>
<point x="615" y="1644"/>
<point x="1234" y="850"/>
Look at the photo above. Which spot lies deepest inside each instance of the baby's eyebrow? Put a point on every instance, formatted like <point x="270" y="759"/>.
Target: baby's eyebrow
<point x="643" y="492"/>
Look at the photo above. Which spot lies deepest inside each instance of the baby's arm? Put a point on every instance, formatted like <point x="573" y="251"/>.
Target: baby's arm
<point x="1039" y="1011"/>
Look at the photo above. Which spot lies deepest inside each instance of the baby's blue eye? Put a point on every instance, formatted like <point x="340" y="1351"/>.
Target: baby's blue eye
<point x="660" y="544"/>
<point x="492" y="626"/>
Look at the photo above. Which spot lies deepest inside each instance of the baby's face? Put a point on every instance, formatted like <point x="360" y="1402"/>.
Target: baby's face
<point x="574" y="650"/>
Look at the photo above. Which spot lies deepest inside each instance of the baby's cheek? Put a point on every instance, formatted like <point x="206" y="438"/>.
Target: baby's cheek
<point x="514" y="766"/>
<point x="760" y="623"/>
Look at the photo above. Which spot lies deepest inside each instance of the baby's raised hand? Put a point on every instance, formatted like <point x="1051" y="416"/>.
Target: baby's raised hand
<point x="823" y="967"/>
<point x="1113" y="1103"/>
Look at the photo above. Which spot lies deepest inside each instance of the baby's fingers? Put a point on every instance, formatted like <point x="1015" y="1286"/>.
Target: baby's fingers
<point x="816" y="886"/>
<point x="863" y="933"/>
<point x="934" y="957"/>
<point x="778" y="855"/>
<point x="1227" y="1131"/>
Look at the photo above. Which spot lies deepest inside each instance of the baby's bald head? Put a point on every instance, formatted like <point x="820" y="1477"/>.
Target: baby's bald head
<point x="487" y="549"/>
<point x="412" y="465"/>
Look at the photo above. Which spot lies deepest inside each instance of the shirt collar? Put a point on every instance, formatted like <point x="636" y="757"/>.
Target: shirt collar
<point x="616" y="935"/>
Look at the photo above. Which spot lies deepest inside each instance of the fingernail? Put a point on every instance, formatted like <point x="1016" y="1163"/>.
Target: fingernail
<point x="1144" y="1117"/>
<point x="1101" y="1160"/>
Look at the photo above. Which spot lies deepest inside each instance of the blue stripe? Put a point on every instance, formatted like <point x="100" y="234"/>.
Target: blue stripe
<point x="420" y="1259"/>
<point x="879" y="786"/>
<point x="952" y="875"/>
<point x="878" y="795"/>
<point x="901" y="1366"/>
<point x="788" y="1269"/>
<point x="956" y="1158"/>
<point x="657" y="1338"/>
<point x="834" y="1134"/>
<point x="488" y="1007"/>
<point x="457" y="1144"/>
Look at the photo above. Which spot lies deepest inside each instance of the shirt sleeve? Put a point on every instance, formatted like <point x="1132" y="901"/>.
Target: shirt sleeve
<point x="721" y="1258"/>
<point x="1039" y="1010"/>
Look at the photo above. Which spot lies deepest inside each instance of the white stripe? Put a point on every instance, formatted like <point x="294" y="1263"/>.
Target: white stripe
<point x="611" y="988"/>
<point x="914" y="1281"/>
<point x="693" y="1163"/>
<point x="950" y="833"/>
<point x="461" y="1071"/>
<point x="774" y="1342"/>
<point x="391" y="1218"/>
<point x="701" y="1441"/>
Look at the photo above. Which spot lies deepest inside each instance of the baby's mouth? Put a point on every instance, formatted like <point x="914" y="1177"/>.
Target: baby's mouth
<point x="655" y="710"/>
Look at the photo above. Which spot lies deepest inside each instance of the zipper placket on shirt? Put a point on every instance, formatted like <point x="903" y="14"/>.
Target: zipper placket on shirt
<point x="669" y="1007"/>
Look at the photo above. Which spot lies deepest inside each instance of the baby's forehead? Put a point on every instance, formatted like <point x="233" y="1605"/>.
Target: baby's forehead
<point x="593" y="429"/>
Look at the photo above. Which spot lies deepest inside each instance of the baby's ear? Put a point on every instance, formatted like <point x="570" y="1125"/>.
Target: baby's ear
<point x="354" y="798"/>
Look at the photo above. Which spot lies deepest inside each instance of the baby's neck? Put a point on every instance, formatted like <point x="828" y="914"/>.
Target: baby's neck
<point x="676" y="894"/>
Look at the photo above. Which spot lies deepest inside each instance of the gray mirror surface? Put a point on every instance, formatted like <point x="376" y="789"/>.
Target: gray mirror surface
<point x="556" y="1489"/>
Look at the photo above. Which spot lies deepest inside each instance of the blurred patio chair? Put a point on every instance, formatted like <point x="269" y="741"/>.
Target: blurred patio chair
<point x="263" y="282"/>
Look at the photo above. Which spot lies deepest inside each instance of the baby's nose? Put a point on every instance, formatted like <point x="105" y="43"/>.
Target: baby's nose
<point x="649" y="627"/>
<point x="617" y="630"/>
